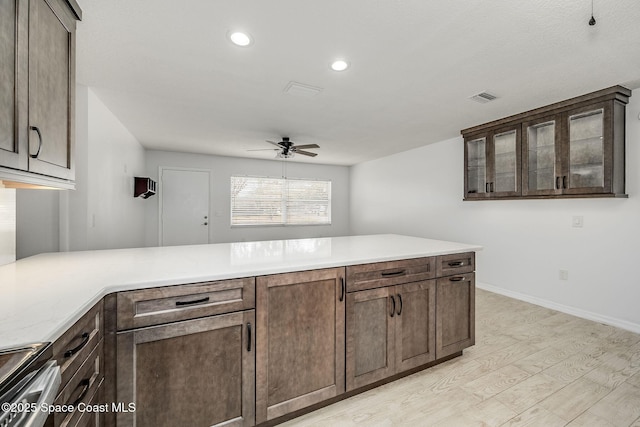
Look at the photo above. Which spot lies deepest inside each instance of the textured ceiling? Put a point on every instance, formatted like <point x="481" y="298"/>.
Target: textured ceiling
<point x="167" y="71"/>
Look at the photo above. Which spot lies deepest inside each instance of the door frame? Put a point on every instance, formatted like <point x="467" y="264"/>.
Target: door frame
<point x="161" y="170"/>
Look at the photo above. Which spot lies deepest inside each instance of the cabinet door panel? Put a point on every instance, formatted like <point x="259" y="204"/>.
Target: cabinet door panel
<point x="541" y="156"/>
<point x="300" y="342"/>
<point x="13" y="65"/>
<point x="505" y="151"/>
<point x="8" y="60"/>
<point x="455" y="314"/>
<point x="197" y="373"/>
<point x="475" y="172"/>
<point x="51" y="71"/>
<point x="415" y="337"/>
<point x="589" y="150"/>
<point x="370" y="343"/>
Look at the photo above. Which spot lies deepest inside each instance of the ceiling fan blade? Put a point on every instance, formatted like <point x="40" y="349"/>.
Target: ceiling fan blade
<point x="307" y="146"/>
<point x="277" y="144"/>
<point x="306" y="153"/>
<point x="265" y="149"/>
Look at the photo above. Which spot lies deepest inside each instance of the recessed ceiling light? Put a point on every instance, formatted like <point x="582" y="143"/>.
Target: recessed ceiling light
<point x="339" y="65"/>
<point x="239" y="38"/>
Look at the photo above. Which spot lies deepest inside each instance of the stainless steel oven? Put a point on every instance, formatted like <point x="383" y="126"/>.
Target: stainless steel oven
<point x="29" y="382"/>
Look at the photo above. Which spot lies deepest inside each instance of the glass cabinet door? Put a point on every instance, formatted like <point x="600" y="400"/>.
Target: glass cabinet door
<point x="505" y="162"/>
<point x="586" y="166"/>
<point x="476" y="165"/>
<point x="540" y="157"/>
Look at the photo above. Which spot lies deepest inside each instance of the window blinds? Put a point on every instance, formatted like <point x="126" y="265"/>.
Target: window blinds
<point x="279" y="201"/>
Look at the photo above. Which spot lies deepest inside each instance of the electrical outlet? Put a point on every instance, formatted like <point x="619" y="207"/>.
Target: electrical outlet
<point x="577" y="221"/>
<point x="563" y="274"/>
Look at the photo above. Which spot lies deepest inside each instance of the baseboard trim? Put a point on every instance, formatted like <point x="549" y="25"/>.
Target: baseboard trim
<point x="585" y="314"/>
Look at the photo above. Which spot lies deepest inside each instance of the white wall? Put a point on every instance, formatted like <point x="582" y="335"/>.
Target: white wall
<point x="37" y="222"/>
<point x="115" y="219"/>
<point x="7" y="225"/>
<point x="222" y="168"/>
<point x="102" y="212"/>
<point x="526" y="242"/>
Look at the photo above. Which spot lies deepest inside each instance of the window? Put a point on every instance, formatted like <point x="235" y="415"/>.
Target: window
<point x="279" y="201"/>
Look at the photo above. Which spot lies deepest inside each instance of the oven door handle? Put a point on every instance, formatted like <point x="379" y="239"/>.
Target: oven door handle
<point x="46" y="384"/>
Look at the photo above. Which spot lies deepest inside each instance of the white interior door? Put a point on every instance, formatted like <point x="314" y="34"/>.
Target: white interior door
<point x="184" y="207"/>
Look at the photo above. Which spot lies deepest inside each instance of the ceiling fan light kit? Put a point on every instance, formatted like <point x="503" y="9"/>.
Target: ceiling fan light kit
<point x="286" y="149"/>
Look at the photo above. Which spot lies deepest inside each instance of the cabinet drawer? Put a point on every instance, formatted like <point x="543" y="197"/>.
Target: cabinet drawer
<point x="92" y="417"/>
<point x="456" y="264"/>
<point x="155" y="306"/>
<point x="81" y="387"/>
<point x="376" y="275"/>
<point x="75" y="345"/>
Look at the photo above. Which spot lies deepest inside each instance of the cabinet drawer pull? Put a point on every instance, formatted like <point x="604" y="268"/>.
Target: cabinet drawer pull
<point x="492" y="187"/>
<point x="393" y="273"/>
<point x="35" y="156"/>
<point x="341" y="289"/>
<point x="248" y="336"/>
<point x="393" y="306"/>
<point x="457" y="279"/>
<point x="85" y="383"/>
<point x="564" y="182"/>
<point x="85" y="340"/>
<point x="400" y="305"/>
<point x="195" y="301"/>
<point x="486" y="187"/>
<point x="456" y="264"/>
<point x="557" y="183"/>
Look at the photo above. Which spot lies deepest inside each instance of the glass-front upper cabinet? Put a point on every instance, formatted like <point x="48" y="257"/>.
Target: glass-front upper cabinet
<point x="573" y="148"/>
<point x="589" y="150"/>
<point x="476" y="168"/>
<point x="492" y="164"/>
<point x="568" y="153"/>
<point x="540" y="157"/>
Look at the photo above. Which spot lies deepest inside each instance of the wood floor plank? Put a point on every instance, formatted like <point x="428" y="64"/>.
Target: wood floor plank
<point x="529" y="392"/>
<point x="493" y="383"/>
<point x="621" y="407"/>
<point x="536" y="416"/>
<point x="575" y="398"/>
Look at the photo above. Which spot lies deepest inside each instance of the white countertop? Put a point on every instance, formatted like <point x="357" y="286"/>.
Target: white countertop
<point x="43" y="295"/>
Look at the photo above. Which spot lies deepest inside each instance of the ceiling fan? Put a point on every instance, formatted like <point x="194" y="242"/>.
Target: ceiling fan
<point x="287" y="149"/>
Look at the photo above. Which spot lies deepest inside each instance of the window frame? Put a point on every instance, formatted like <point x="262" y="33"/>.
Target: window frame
<point x="284" y="202"/>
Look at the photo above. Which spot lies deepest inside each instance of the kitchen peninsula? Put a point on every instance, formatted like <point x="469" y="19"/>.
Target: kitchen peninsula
<point x="314" y="319"/>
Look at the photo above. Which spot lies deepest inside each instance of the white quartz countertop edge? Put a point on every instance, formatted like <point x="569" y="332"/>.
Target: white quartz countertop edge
<point x="42" y="296"/>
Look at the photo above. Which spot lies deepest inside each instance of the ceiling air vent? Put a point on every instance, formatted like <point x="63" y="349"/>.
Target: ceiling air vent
<point x="483" y="97"/>
<point x="303" y="90"/>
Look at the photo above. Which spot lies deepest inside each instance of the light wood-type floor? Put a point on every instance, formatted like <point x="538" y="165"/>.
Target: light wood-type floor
<point x="531" y="366"/>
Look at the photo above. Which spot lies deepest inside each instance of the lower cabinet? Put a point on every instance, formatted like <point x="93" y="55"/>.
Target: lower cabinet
<point x="300" y="340"/>
<point x="455" y="314"/>
<point x="196" y="373"/>
<point x="389" y="330"/>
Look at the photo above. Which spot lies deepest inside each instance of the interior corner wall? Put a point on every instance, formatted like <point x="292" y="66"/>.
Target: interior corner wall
<point x="114" y="218"/>
<point x="526" y="242"/>
<point x="222" y="168"/>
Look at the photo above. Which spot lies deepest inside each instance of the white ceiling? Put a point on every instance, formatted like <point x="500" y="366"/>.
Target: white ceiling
<point x="166" y="69"/>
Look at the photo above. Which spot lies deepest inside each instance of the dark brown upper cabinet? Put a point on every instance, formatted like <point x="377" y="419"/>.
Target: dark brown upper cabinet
<point x="492" y="163"/>
<point x="37" y="106"/>
<point x="573" y="148"/>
